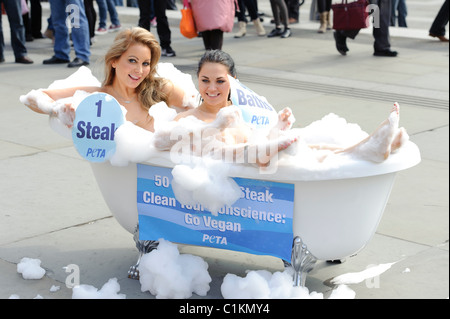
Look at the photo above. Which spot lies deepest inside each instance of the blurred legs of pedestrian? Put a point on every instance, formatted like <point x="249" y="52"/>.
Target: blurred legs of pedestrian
<point x="399" y="12"/>
<point x="213" y="39"/>
<point x="324" y="7"/>
<point x="80" y="33"/>
<point x="293" y="7"/>
<point x="33" y="20"/>
<point x="91" y="16"/>
<point x="437" y="29"/>
<point x="13" y="10"/>
<point x="162" y="23"/>
<point x="105" y="7"/>
<point x="382" y="46"/>
<point x="281" y="18"/>
<point x="27" y="24"/>
<point x="252" y="9"/>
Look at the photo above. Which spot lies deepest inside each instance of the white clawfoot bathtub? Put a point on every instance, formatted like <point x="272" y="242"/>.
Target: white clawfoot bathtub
<point x="336" y="212"/>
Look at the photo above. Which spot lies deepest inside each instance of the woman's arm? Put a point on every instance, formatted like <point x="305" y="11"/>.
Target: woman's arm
<point x="57" y="94"/>
<point x="177" y="97"/>
<point x="43" y="101"/>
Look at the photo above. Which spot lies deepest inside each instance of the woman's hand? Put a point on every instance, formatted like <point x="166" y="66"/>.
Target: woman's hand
<point x="38" y="101"/>
<point x="65" y="113"/>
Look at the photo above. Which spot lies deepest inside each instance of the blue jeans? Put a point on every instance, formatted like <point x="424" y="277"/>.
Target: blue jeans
<point x="400" y="7"/>
<point x="80" y="29"/>
<point x="105" y="6"/>
<point x="14" y="13"/>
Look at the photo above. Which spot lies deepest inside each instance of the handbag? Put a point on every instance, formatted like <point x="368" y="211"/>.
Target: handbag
<point x="187" y="23"/>
<point x="350" y="16"/>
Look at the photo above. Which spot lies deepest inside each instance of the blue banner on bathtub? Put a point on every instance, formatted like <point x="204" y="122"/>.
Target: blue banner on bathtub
<point x="259" y="223"/>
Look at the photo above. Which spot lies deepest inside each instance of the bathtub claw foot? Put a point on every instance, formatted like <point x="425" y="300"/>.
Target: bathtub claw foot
<point x="144" y="247"/>
<point x="302" y="261"/>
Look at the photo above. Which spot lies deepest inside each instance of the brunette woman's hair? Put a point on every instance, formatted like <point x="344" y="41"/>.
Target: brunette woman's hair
<point x="218" y="56"/>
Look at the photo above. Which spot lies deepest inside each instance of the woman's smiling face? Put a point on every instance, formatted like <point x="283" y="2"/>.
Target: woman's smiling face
<point x="133" y="66"/>
<point x="214" y="85"/>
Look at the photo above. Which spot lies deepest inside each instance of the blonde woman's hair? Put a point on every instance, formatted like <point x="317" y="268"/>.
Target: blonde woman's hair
<point x="150" y="90"/>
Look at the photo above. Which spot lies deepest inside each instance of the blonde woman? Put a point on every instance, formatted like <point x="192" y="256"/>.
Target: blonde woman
<point x="130" y="77"/>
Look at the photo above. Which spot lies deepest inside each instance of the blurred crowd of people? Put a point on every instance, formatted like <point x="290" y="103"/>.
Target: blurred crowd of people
<point x="25" y="19"/>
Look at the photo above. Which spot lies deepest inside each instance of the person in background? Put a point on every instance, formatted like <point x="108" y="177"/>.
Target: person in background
<point x="212" y="19"/>
<point x="105" y="7"/>
<point x="252" y="8"/>
<point x="293" y="7"/>
<point x="162" y="23"/>
<point x="437" y="29"/>
<point x="281" y="18"/>
<point x="324" y="7"/>
<point x="80" y="33"/>
<point x="33" y="20"/>
<point x="91" y="16"/>
<point x="26" y="21"/>
<point x="13" y="10"/>
<point x="382" y="44"/>
<point x="399" y="12"/>
<point x="36" y="19"/>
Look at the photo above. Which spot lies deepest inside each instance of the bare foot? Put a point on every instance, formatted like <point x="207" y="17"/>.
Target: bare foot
<point x="378" y="146"/>
<point x="399" y="140"/>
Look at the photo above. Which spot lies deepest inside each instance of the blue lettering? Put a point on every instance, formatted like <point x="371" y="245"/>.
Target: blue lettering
<point x="251" y="100"/>
<point x="241" y="97"/>
<point x="96" y="152"/>
<point x="88" y="131"/>
<point x="95" y="132"/>
<point x="260" y="120"/>
<point x="81" y="132"/>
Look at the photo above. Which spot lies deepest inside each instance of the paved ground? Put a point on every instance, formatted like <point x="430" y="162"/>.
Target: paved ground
<point x="51" y="208"/>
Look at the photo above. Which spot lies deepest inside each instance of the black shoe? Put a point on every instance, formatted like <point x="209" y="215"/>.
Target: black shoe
<point x="77" y="62"/>
<point x="2" y="60"/>
<point x="24" y="60"/>
<point x="275" y="32"/>
<point x="286" y="33"/>
<point x="55" y="60"/>
<point x="341" y="44"/>
<point x="169" y="52"/>
<point x="385" y="53"/>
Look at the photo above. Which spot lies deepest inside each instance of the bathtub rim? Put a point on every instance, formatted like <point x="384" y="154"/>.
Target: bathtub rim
<point x="406" y="157"/>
